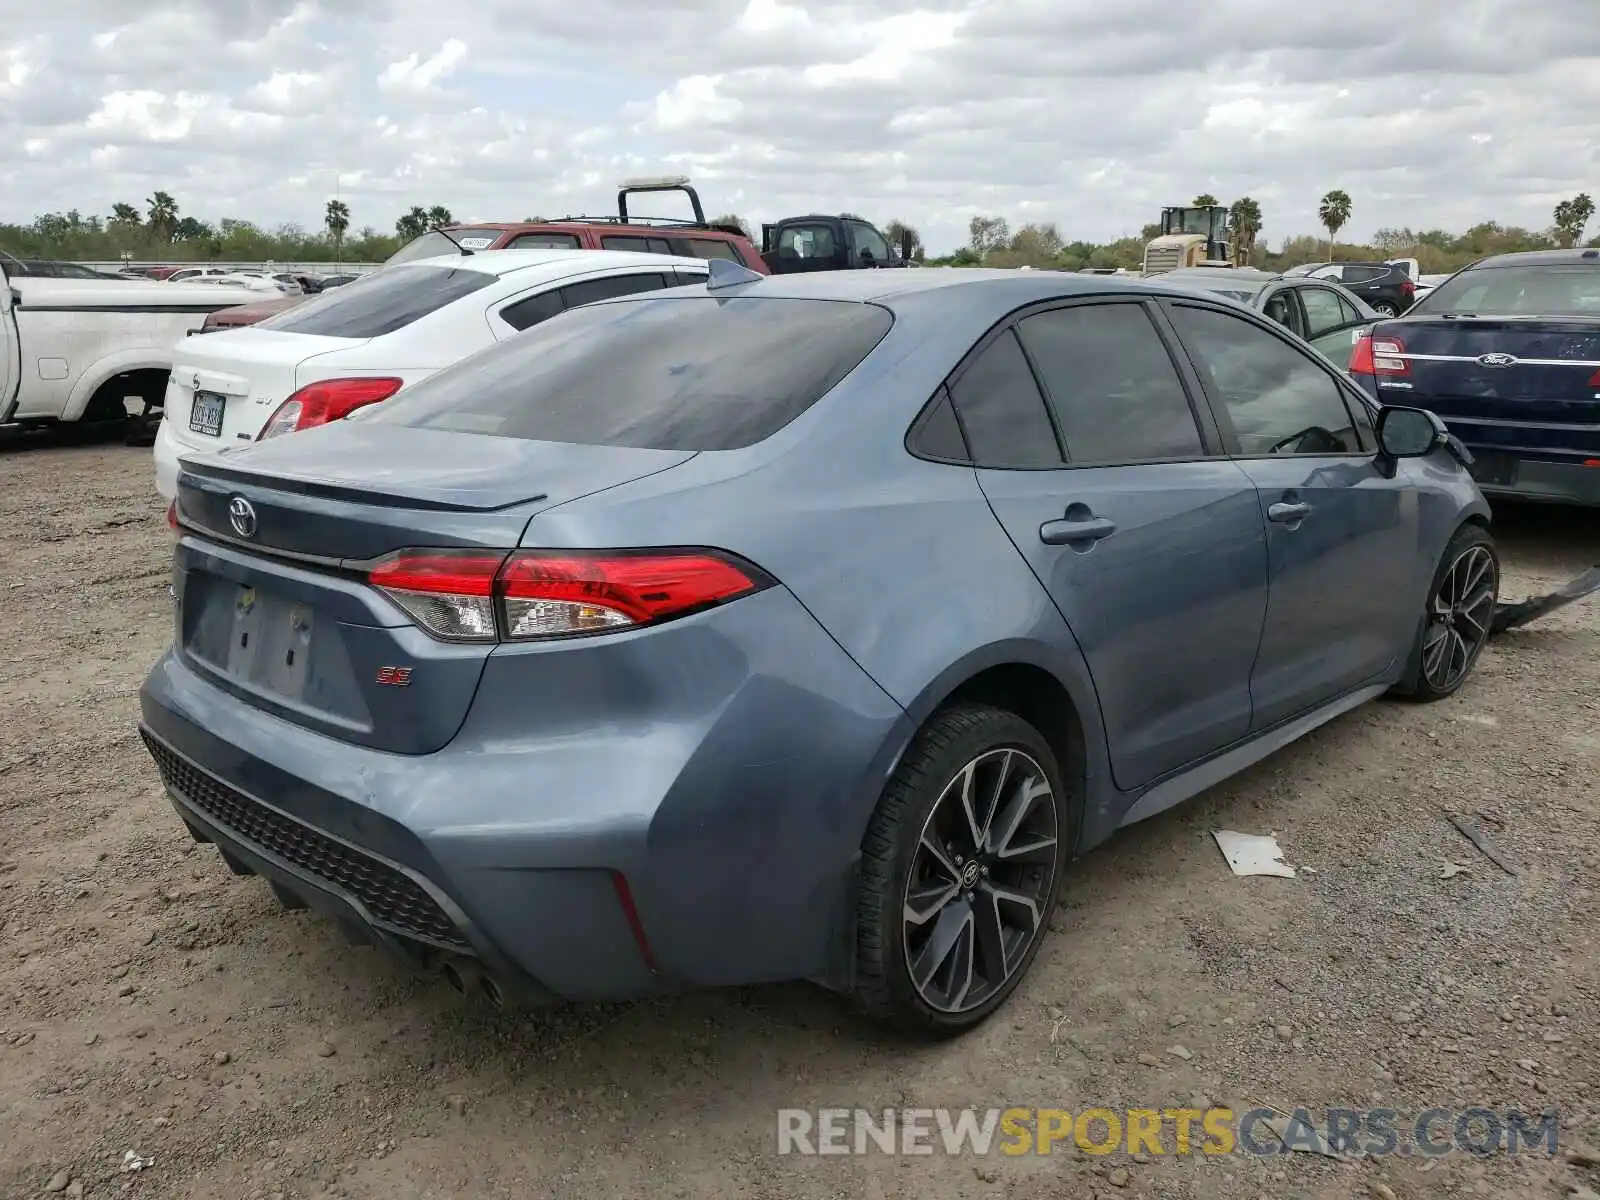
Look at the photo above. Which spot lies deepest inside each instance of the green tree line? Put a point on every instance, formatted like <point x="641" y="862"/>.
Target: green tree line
<point x="159" y="230"/>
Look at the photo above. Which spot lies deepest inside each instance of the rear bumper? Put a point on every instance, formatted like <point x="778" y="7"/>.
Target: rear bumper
<point x="730" y="792"/>
<point x="1540" y="480"/>
<point x="166" y="452"/>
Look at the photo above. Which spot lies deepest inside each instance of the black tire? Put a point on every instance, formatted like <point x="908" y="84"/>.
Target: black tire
<point x="1420" y="683"/>
<point x="953" y="739"/>
<point x="1384" y="309"/>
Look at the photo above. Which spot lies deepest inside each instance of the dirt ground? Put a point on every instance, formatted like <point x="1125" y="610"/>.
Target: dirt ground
<point x="151" y="1002"/>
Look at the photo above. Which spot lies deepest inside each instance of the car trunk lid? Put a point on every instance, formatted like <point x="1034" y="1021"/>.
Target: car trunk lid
<point x="1525" y="386"/>
<point x="277" y="540"/>
<point x="244" y="375"/>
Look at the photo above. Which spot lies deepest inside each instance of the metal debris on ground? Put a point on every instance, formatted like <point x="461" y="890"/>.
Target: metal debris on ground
<point x="1481" y="840"/>
<point x="1514" y="616"/>
<point x="1252" y="854"/>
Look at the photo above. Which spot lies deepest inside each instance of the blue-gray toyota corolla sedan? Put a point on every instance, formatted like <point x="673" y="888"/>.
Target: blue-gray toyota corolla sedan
<point x="801" y="627"/>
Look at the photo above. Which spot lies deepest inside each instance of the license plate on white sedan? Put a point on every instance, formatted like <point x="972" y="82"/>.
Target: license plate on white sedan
<point x="205" y="415"/>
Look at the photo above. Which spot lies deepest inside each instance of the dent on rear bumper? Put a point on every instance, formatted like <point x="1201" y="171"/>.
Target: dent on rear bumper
<point x="726" y="764"/>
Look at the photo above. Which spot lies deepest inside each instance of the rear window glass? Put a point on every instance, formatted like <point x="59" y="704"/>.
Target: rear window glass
<point x="689" y="373"/>
<point x="1555" y="291"/>
<point x="429" y="245"/>
<point x="381" y="303"/>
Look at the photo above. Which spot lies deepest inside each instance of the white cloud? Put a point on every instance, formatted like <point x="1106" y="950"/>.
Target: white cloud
<point x="1089" y="113"/>
<point x="416" y="74"/>
<point x="693" y="101"/>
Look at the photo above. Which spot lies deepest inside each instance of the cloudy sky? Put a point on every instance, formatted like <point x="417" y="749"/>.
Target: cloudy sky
<point x="1090" y="113"/>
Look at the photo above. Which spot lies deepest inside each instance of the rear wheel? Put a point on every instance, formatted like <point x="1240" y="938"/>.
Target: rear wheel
<point x="1455" y="624"/>
<point x="962" y="864"/>
<point x="1384" y="309"/>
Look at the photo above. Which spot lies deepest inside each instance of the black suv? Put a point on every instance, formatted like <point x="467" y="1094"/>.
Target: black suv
<point x="1386" y="287"/>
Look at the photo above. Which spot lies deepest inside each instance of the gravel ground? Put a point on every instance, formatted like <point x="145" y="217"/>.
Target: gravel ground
<point x="151" y="1002"/>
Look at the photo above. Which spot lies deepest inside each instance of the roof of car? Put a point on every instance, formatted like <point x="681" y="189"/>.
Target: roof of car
<point x="1238" y="278"/>
<point x="1576" y="256"/>
<point x="503" y="262"/>
<point x="899" y="288"/>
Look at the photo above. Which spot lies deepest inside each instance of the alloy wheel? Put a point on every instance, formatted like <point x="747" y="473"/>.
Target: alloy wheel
<point x="978" y="891"/>
<point x="1386" y="310"/>
<point x="1459" y="618"/>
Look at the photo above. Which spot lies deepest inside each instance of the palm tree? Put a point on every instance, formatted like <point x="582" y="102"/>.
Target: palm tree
<point x="1571" y="216"/>
<point x="163" y="215"/>
<point x="1334" y="213"/>
<point x="438" y="216"/>
<point x="1204" y="200"/>
<point x="336" y="217"/>
<point x="413" y="225"/>
<point x="1245" y="217"/>
<point x="125" y="215"/>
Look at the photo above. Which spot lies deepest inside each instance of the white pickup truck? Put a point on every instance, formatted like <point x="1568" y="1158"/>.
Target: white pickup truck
<point x="79" y="349"/>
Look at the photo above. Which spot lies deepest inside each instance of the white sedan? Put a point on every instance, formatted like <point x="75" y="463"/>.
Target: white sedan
<point x="362" y="343"/>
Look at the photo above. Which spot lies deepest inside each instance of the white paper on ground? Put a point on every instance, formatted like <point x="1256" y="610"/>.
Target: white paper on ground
<point x="1252" y="854"/>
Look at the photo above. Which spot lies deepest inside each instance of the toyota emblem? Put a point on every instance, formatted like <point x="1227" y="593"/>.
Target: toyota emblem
<point x="1496" y="360"/>
<point x="242" y="516"/>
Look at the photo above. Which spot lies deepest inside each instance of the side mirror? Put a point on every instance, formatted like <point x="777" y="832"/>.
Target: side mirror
<point x="1409" y="432"/>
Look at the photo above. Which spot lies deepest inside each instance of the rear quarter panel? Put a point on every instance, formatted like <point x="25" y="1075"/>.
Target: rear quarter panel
<point x="900" y="560"/>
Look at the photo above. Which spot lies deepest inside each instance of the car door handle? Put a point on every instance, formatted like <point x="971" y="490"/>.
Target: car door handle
<point x="1072" y="529"/>
<point x="1288" y="514"/>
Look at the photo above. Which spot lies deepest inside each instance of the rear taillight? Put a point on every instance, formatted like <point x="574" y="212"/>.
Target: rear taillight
<point x="1594" y="380"/>
<point x="1379" y="356"/>
<point x="524" y="595"/>
<point x="327" y="400"/>
<point x="172" y="516"/>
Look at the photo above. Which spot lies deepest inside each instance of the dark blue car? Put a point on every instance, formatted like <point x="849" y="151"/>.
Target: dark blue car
<point x="1507" y="352"/>
<point x="803" y="627"/>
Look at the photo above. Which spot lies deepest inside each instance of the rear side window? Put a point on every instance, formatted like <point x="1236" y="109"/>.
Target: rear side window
<point x="1364" y="274"/>
<point x="525" y="314"/>
<point x="1324" y="311"/>
<point x="1001" y="410"/>
<point x="640" y="245"/>
<point x="591" y="290"/>
<point x="1117" y="397"/>
<point x="381" y="303"/>
<point x="709" y="248"/>
<point x="543" y="241"/>
<point x="685" y="373"/>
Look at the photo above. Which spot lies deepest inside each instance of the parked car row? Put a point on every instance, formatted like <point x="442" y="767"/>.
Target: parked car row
<point x="751" y="627"/>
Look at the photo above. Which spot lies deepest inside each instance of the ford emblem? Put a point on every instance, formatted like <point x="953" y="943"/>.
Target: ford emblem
<point x="1496" y="360"/>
